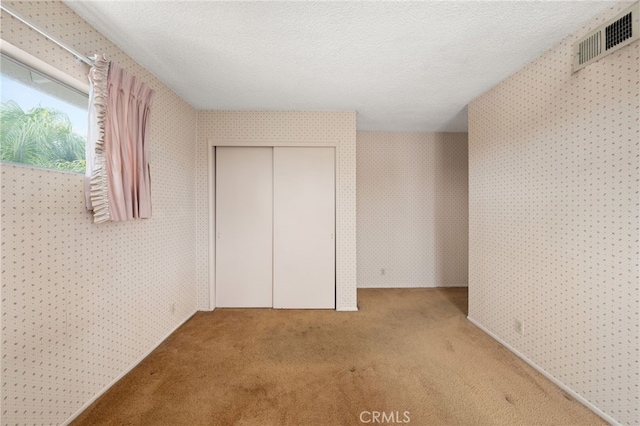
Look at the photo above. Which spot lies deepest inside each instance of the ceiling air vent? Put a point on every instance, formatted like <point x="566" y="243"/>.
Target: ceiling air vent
<point x="609" y="37"/>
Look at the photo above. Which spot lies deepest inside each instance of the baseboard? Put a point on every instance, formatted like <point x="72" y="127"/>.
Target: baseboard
<point x="564" y="387"/>
<point x="447" y="285"/>
<point x="124" y="373"/>
<point x="352" y="309"/>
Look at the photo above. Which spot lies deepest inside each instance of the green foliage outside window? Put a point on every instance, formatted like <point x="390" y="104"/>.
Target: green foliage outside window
<point x="40" y="137"/>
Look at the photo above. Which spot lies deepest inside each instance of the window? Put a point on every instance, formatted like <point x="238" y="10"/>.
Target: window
<point x="42" y="122"/>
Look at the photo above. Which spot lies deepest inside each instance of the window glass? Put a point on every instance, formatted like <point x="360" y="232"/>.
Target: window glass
<point x="42" y="121"/>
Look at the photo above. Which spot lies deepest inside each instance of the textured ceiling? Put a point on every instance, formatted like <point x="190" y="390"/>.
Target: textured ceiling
<point x="410" y="66"/>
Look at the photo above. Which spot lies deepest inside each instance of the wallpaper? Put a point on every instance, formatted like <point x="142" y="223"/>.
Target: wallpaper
<point x="286" y="126"/>
<point x="82" y="302"/>
<point x="412" y="209"/>
<point x="553" y="220"/>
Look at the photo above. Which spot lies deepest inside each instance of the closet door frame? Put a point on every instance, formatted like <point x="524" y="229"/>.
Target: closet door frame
<point x="213" y="143"/>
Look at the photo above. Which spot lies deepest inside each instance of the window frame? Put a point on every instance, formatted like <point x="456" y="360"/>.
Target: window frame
<point x="41" y="66"/>
<point x="29" y="61"/>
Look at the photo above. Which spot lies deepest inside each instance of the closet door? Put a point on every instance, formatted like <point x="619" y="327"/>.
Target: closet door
<point x="244" y="227"/>
<point x="304" y="228"/>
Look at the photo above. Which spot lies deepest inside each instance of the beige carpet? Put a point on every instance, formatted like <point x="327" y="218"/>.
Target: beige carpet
<point x="405" y="350"/>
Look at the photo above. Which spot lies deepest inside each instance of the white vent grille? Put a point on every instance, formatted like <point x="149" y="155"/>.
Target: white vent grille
<point x="619" y="31"/>
<point x="590" y="48"/>
<point x="609" y="37"/>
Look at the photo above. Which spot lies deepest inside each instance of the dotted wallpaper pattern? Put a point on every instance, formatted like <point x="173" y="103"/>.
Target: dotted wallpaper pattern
<point x="286" y="126"/>
<point x="412" y="209"/>
<point x="553" y="219"/>
<point x="82" y="302"/>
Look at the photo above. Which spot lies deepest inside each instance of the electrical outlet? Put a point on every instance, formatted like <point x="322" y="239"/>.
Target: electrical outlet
<point x="173" y="308"/>
<point x="382" y="271"/>
<point x="520" y="326"/>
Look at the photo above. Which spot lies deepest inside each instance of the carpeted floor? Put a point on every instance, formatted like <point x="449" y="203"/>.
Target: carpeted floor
<point x="407" y="350"/>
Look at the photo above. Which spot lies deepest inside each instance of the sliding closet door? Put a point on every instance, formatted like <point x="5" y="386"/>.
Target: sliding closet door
<point x="244" y="227"/>
<point x="304" y="228"/>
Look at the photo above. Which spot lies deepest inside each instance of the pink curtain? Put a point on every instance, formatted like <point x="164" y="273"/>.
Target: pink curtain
<point x="120" y="182"/>
<point x="126" y="149"/>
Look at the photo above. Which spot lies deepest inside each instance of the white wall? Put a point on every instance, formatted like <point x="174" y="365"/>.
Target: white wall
<point x="412" y="209"/>
<point x="553" y="216"/>
<point x="82" y="302"/>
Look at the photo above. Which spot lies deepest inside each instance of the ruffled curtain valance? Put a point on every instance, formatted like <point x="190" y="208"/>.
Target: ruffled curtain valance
<point x="118" y="176"/>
